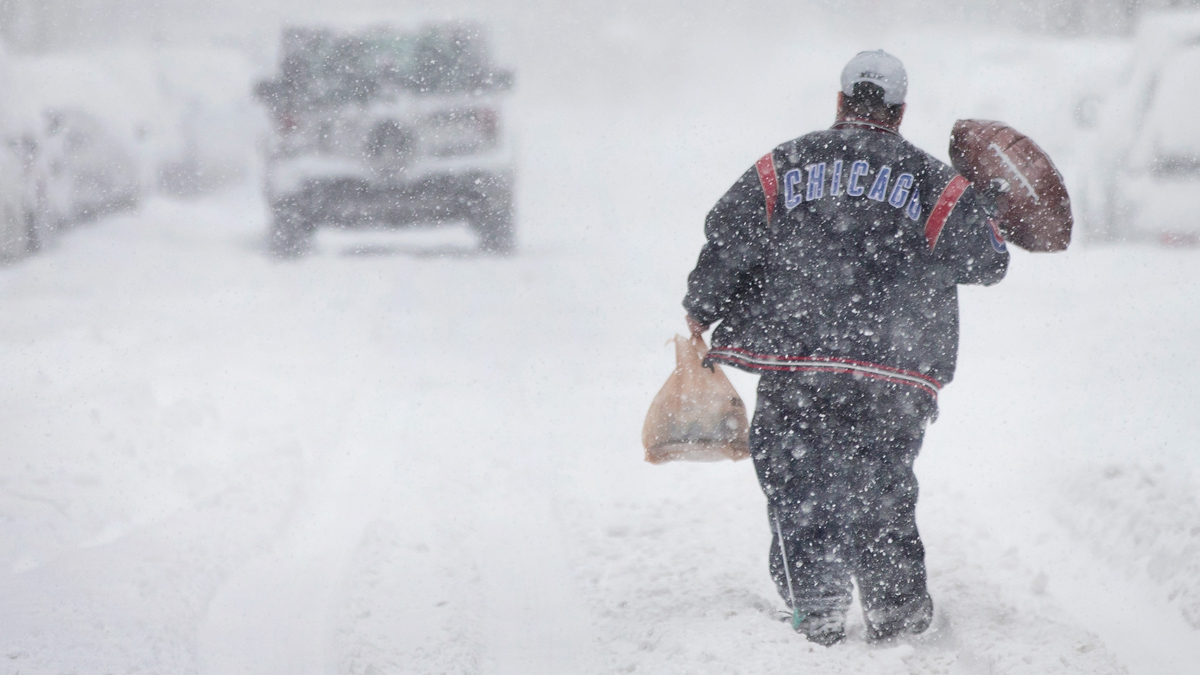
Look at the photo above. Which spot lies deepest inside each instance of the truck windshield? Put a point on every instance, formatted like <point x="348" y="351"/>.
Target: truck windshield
<point x="336" y="68"/>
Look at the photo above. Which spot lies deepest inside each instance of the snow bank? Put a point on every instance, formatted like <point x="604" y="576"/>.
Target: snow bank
<point x="1146" y="521"/>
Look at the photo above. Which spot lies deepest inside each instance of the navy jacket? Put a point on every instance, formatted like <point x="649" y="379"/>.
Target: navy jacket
<point x="840" y="252"/>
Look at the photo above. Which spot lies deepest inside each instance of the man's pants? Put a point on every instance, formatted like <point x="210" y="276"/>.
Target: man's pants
<point x="834" y="457"/>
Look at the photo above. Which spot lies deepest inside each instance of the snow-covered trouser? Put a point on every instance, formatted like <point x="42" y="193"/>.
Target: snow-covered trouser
<point x="834" y="456"/>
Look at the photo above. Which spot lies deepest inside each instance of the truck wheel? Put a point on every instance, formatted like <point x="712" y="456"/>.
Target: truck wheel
<point x="492" y="217"/>
<point x="291" y="232"/>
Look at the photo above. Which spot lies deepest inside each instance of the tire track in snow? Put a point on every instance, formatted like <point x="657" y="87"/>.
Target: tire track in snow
<point x="274" y="616"/>
<point x="532" y="610"/>
<point x="465" y="580"/>
<point x="472" y="525"/>
<point x="410" y="600"/>
<point x="454" y="489"/>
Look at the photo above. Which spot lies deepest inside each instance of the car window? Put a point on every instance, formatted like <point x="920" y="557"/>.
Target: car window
<point x="391" y="56"/>
<point x="450" y="60"/>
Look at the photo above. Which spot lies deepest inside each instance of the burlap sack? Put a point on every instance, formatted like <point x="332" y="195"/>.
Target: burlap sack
<point x="697" y="416"/>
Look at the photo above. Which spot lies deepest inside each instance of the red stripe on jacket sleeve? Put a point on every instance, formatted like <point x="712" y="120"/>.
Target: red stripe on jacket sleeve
<point x="769" y="180"/>
<point x="943" y="208"/>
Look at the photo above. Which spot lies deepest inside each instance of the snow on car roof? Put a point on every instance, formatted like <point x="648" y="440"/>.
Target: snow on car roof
<point x="1177" y="98"/>
<point x="1159" y="33"/>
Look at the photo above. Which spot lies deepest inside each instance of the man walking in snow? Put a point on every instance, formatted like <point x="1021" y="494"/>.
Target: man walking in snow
<point x="832" y="266"/>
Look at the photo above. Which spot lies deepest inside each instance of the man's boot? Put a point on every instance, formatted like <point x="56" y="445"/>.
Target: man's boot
<point x="825" y="626"/>
<point x="911" y="618"/>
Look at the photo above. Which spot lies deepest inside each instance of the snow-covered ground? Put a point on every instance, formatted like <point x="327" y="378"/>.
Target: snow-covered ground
<point x="396" y="456"/>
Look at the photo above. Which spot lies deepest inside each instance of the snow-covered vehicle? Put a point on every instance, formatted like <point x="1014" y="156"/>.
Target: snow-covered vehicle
<point x="91" y="173"/>
<point x="14" y="208"/>
<point x="24" y="220"/>
<point x="1146" y="160"/>
<point x="387" y="127"/>
<point x="23" y="141"/>
<point x="184" y="115"/>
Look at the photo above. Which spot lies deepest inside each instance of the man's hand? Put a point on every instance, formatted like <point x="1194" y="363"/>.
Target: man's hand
<point x="695" y="327"/>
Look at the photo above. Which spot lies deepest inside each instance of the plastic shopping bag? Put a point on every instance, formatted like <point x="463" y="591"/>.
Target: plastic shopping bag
<point x="698" y="415"/>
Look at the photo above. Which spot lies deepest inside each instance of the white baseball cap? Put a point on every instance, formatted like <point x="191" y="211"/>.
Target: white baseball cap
<point x="879" y="68"/>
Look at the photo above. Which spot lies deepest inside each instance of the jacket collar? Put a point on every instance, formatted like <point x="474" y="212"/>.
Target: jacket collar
<point x="856" y="123"/>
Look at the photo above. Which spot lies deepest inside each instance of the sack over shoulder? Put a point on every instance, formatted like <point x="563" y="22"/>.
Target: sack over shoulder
<point x="697" y="416"/>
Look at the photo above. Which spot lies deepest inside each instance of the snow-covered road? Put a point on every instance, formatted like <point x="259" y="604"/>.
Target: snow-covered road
<point x="395" y="456"/>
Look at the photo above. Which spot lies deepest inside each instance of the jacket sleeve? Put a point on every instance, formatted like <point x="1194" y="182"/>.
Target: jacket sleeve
<point x="734" y="229"/>
<point x="970" y="249"/>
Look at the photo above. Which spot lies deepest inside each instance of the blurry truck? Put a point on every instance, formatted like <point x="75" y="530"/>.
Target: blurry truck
<point x="388" y="127"/>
